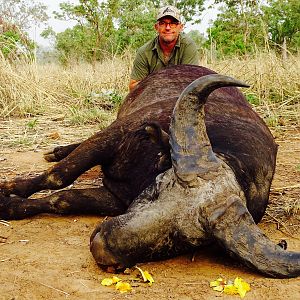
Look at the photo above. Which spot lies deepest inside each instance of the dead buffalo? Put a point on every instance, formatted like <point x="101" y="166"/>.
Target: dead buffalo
<point x="210" y="185"/>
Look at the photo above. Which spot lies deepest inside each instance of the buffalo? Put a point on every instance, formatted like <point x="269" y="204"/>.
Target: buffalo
<point x="186" y="163"/>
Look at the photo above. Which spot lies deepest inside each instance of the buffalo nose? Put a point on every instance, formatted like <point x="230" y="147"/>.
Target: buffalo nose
<point x="100" y="252"/>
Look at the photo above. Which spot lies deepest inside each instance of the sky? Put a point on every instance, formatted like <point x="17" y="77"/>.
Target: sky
<point x="59" y="26"/>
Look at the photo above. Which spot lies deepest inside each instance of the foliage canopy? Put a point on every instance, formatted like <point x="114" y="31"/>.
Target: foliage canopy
<point x="114" y="25"/>
<point x="17" y="16"/>
<point x="247" y="25"/>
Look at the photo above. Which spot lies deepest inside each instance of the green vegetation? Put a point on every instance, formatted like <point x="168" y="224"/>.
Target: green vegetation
<point x="17" y="16"/>
<point x="14" y="43"/>
<point x="245" y="26"/>
<point x="108" y="28"/>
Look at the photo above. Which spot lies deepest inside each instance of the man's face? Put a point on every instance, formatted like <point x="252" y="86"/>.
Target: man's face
<point x="168" y="29"/>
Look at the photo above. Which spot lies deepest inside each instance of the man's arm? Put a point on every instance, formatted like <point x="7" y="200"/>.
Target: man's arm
<point x="140" y="70"/>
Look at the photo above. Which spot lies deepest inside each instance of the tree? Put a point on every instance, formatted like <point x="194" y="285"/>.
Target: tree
<point x="283" y="21"/>
<point x="114" y="25"/>
<point x="74" y="41"/>
<point x="245" y="25"/>
<point x="134" y="25"/>
<point x="197" y="37"/>
<point x="23" y="13"/>
<point x="13" y="42"/>
<point x="239" y="28"/>
<point x="118" y="24"/>
<point x="17" y="16"/>
<point x="95" y="17"/>
<point x="234" y="34"/>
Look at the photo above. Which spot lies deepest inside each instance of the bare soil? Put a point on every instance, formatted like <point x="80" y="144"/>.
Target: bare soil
<point x="47" y="257"/>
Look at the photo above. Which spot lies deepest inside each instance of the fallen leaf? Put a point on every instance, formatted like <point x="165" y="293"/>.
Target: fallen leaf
<point x="149" y="277"/>
<point x="236" y="287"/>
<point x="123" y="287"/>
<point x="54" y="135"/>
<point x="146" y="276"/>
<point x="242" y="286"/>
<point x="110" y="281"/>
<point x="116" y="279"/>
<point x="218" y="282"/>
<point x="107" y="282"/>
<point x="230" y="289"/>
<point x="219" y="288"/>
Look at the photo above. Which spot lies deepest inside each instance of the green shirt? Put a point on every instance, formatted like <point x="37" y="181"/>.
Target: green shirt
<point x="150" y="58"/>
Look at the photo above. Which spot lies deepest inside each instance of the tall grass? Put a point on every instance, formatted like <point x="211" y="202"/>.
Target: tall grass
<point x="274" y="84"/>
<point x="85" y="94"/>
<point x="81" y="93"/>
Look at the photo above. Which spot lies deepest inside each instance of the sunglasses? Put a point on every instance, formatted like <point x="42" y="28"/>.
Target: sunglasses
<point x="165" y="24"/>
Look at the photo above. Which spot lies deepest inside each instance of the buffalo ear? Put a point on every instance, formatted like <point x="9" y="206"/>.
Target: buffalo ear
<point x="157" y="135"/>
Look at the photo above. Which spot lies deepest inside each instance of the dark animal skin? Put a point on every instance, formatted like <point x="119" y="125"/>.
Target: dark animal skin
<point x="213" y="188"/>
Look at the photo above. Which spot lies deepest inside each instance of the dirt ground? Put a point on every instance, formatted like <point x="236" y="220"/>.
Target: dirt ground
<point x="47" y="257"/>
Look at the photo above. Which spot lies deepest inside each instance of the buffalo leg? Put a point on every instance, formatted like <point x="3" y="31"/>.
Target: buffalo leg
<point x="60" y="152"/>
<point x="94" y="151"/>
<point x="76" y="201"/>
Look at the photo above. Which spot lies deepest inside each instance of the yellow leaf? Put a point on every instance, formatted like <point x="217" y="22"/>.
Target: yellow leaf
<point x="110" y="281"/>
<point x="239" y="286"/>
<point x="123" y="287"/>
<point x="214" y="283"/>
<point x="242" y="286"/>
<point x="219" y="288"/>
<point x="116" y="279"/>
<point x="218" y="282"/>
<point x="230" y="289"/>
<point x="107" y="282"/>
<point x="146" y="276"/>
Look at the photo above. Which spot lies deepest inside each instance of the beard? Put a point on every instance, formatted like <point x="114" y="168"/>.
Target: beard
<point x="168" y="39"/>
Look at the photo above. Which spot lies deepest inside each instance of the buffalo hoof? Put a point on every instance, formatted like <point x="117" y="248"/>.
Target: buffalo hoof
<point x="60" y="152"/>
<point x="51" y="155"/>
<point x="10" y="207"/>
<point x="283" y="244"/>
<point x="4" y="207"/>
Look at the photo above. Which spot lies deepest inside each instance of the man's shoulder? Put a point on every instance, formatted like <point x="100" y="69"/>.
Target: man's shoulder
<point x="148" y="46"/>
<point x="185" y="39"/>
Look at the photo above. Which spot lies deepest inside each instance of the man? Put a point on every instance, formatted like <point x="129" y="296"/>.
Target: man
<point x="170" y="47"/>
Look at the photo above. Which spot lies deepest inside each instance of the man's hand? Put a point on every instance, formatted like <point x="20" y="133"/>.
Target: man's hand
<point x="132" y="84"/>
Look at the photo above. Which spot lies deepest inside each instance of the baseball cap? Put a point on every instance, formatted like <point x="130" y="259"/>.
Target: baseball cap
<point x="169" y="10"/>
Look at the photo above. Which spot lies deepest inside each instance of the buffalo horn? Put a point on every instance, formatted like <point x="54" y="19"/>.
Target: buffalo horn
<point x="191" y="151"/>
<point x="235" y="230"/>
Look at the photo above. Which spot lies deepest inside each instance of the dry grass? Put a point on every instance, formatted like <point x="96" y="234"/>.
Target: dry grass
<point x="30" y="89"/>
<point x="284" y="210"/>
<point x="275" y="85"/>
